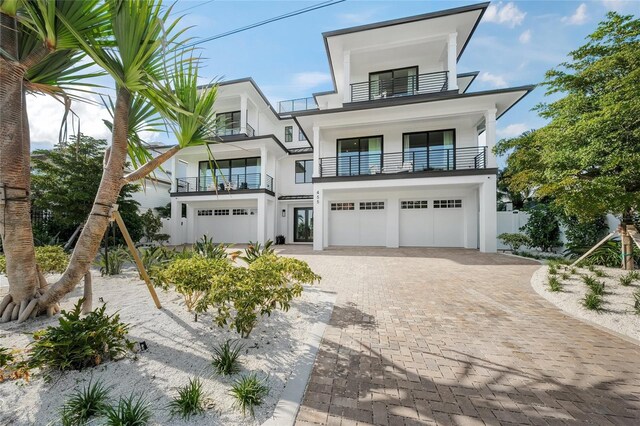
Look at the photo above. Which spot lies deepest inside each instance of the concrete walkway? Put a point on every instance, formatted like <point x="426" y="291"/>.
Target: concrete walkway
<point x="453" y="336"/>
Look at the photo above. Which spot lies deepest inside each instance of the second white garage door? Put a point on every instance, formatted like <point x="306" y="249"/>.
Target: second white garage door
<point x="362" y="223"/>
<point x="432" y="223"/>
<point x="227" y="225"/>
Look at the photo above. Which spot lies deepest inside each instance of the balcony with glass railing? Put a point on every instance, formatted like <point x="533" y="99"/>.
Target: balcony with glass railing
<point x="294" y="105"/>
<point x="233" y="129"/>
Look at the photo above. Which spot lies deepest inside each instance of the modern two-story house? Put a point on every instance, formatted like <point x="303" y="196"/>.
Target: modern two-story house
<point x="399" y="153"/>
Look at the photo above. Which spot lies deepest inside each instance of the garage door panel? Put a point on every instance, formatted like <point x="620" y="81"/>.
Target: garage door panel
<point x="227" y="228"/>
<point x="448" y="230"/>
<point x="416" y="227"/>
<point x="432" y="223"/>
<point x="357" y="223"/>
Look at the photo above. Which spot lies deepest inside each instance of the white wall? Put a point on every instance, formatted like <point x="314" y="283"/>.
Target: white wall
<point x="154" y="195"/>
<point x="286" y="177"/>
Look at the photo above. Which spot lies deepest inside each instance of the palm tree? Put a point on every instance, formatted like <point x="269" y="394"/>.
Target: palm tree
<point x="152" y="75"/>
<point x="37" y="55"/>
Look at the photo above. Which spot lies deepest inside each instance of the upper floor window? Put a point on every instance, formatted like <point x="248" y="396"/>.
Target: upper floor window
<point x="288" y="134"/>
<point x="304" y="171"/>
<point x="237" y="173"/>
<point x="359" y="156"/>
<point x="429" y="150"/>
<point x="228" y="123"/>
<point x="301" y="135"/>
<point x="384" y="84"/>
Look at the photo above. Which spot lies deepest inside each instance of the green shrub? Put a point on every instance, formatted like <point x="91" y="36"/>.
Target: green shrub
<point x="609" y="254"/>
<point x="552" y="270"/>
<point x="599" y="273"/>
<point x="84" y="404"/>
<point x="51" y="259"/>
<point x="240" y="296"/>
<point x="130" y="411"/>
<point x="249" y="392"/>
<point x="597" y="287"/>
<point x="189" y="401"/>
<point x="3" y="264"/>
<point x="626" y="280"/>
<point x="636" y="301"/>
<point x="514" y="241"/>
<point x="153" y="257"/>
<point x="225" y="358"/>
<point x="554" y="284"/>
<point x="581" y="236"/>
<point x="206" y="248"/>
<point x="256" y="250"/>
<point x="13" y="365"/>
<point x="565" y="275"/>
<point x="592" y="301"/>
<point x="191" y="277"/>
<point x="112" y="262"/>
<point x="633" y="275"/>
<point x="542" y="228"/>
<point x="80" y="342"/>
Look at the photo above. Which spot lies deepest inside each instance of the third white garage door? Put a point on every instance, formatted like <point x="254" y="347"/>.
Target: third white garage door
<point x="361" y="223"/>
<point x="432" y="223"/>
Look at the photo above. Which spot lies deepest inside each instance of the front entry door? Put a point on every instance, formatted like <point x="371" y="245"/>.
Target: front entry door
<point x="303" y="224"/>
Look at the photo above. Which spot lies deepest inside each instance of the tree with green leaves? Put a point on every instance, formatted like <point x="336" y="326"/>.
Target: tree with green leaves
<point x="587" y="158"/>
<point x="156" y="83"/>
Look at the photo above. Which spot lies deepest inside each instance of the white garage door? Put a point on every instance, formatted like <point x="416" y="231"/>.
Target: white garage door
<point x="227" y="225"/>
<point x="362" y="223"/>
<point x="432" y="223"/>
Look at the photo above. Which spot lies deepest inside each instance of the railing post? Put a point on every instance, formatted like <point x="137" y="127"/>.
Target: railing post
<point x="413" y="160"/>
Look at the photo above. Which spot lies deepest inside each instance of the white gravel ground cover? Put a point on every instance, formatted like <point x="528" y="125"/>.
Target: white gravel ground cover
<point x="178" y="349"/>
<point x="617" y="313"/>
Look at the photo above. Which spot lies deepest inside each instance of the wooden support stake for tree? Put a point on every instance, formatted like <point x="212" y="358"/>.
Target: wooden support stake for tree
<point x="635" y="236"/>
<point x="136" y="257"/>
<point x="592" y="249"/>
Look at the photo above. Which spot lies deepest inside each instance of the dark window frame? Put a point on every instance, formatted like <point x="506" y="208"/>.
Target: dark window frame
<point x="301" y="137"/>
<point x="232" y="122"/>
<point x="392" y="71"/>
<point x="304" y="179"/>
<point x="230" y="168"/>
<point x="288" y="133"/>
<point x="455" y="142"/>
<point x="360" y="152"/>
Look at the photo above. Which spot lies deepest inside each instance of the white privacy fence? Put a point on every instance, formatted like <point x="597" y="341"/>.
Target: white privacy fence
<point x="510" y="222"/>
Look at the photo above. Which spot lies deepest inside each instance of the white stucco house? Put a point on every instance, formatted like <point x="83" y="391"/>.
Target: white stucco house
<point x="397" y="154"/>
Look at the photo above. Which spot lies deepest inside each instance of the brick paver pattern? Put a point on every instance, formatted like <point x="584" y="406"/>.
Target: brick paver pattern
<point x="453" y="336"/>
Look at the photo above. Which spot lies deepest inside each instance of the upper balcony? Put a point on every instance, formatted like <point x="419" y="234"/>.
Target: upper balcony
<point x="293" y="105"/>
<point x="406" y="163"/>
<point x="235" y="129"/>
<point x="229" y="183"/>
<point x="392" y="87"/>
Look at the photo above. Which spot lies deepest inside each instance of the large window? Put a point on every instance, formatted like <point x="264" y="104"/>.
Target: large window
<point x="228" y="123"/>
<point x="430" y="150"/>
<point x="238" y="173"/>
<point x="359" y="156"/>
<point x="288" y="134"/>
<point x="398" y="82"/>
<point x="304" y="171"/>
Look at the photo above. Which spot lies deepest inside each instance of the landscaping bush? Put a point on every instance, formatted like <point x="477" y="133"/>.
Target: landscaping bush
<point x="156" y="257"/>
<point x="206" y="248"/>
<point x="3" y="264"/>
<point x="13" y="365"/>
<point x="189" y="401"/>
<point x="225" y="358"/>
<point x="542" y="229"/>
<point x="51" y="259"/>
<point x="592" y="301"/>
<point x="610" y="255"/>
<point x="240" y="296"/>
<point x="249" y="392"/>
<point x="84" y="404"/>
<point x="131" y="411"/>
<point x="191" y="277"/>
<point x="554" y="284"/>
<point x="256" y="250"/>
<point x="581" y="236"/>
<point x="636" y="301"/>
<point x="80" y="342"/>
<point x="514" y="241"/>
<point x="112" y="261"/>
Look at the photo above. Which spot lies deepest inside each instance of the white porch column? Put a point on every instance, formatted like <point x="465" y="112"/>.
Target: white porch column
<point x="488" y="215"/>
<point x="174" y="178"/>
<point x="490" y="130"/>
<point x="346" y="87"/>
<point x="262" y="218"/>
<point x="243" y="113"/>
<point x="316" y="151"/>
<point x="191" y="236"/>
<point x="393" y="222"/>
<point x="452" y="61"/>
<point x="263" y="167"/>
<point x="318" y="219"/>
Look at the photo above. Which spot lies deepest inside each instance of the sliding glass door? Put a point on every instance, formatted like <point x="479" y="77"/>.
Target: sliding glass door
<point x="390" y="83"/>
<point x="359" y="156"/>
<point x="430" y="150"/>
<point x="238" y="173"/>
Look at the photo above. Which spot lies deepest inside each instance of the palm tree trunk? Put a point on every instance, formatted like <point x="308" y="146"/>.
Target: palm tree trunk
<point x="15" y="209"/>
<point x="112" y="181"/>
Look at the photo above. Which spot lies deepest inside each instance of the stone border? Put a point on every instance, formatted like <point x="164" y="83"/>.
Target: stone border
<point x="288" y="406"/>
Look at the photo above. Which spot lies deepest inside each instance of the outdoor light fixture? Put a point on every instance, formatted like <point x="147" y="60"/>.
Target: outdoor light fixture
<point x="284" y="213"/>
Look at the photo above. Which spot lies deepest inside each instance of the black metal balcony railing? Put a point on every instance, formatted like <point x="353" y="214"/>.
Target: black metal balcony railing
<point x="234" y="182"/>
<point x="407" y="162"/>
<point x="292" y="105"/>
<point x="400" y="86"/>
<point x="234" y="128"/>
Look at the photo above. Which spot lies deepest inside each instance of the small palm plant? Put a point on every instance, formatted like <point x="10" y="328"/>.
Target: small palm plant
<point x="84" y="404"/>
<point x="130" y="411"/>
<point x="554" y="284"/>
<point x="592" y="301"/>
<point x="189" y="401"/>
<point x="249" y="392"/>
<point x="225" y="357"/>
<point x="256" y="250"/>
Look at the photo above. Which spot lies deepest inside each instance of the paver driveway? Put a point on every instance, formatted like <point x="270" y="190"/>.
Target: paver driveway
<point x="452" y="336"/>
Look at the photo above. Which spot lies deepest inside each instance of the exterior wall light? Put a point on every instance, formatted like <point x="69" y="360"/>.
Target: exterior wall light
<point x="284" y="213"/>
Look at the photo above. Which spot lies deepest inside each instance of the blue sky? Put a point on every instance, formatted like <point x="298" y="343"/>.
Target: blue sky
<point x="515" y="44"/>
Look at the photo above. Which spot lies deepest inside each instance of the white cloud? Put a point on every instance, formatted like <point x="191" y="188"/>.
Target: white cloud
<point x="512" y="130"/>
<point x="525" y="37"/>
<point x="309" y="80"/>
<point x="579" y="17"/>
<point x="494" y="80"/>
<point x="507" y="14"/>
<point x="615" y="4"/>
